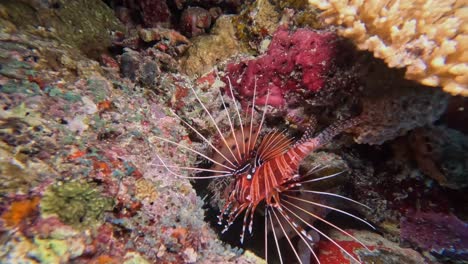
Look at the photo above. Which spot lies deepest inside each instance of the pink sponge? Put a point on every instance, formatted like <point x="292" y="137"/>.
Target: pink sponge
<point x="294" y="60"/>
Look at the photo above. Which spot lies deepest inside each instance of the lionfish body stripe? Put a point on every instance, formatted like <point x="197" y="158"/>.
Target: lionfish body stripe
<point x="262" y="169"/>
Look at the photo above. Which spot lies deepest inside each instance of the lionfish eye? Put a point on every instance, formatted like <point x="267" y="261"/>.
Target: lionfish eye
<point x="249" y="176"/>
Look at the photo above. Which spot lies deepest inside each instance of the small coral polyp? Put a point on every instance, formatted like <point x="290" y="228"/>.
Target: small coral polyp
<point x="294" y="60"/>
<point x="262" y="171"/>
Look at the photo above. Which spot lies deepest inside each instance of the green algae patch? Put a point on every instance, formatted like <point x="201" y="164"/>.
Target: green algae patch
<point x="76" y="203"/>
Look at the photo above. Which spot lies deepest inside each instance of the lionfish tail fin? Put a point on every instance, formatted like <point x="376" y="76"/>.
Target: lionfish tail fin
<point x="309" y="132"/>
<point x="330" y="132"/>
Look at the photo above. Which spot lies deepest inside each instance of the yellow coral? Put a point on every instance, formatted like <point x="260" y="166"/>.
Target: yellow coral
<point x="145" y="189"/>
<point x="429" y="38"/>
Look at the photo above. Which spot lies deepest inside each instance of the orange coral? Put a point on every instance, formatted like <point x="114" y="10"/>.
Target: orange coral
<point x="101" y="166"/>
<point x="19" y="210"/>
<point x="104" y="105"/>
<point x="105" y="259"/>
<point x="77" y="154"/>
<point x="180" y="233"/>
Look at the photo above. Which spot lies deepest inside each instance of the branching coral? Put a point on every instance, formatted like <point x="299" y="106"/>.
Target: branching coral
<point x="429" y="38"/>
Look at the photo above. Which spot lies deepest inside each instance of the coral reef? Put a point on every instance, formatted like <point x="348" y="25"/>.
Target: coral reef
<point x="296" y="60"/>
<point x="19" y="210"/>
<point x="428" y="38"/>
<point x="85" y="104"/>
<point x="398" y="113"/>
<point x="53" y="243"/>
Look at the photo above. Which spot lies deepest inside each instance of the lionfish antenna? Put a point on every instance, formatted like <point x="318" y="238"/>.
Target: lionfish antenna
<point x="244" y="223"/>
<point x="188" y="177"/>
<point x="274" y="235"/>
<point x="332" y="194"/>
<point x="320" y="232"/>
<point x="316" y="169"/>
<point x="191" y="168"/>
<point x="302" y="233"/>
<point x="251" y="115"/>
<point x="194" y="151"/>
<point x="331" y="208"/>
<point x="323" y="178"/>
<point x="262" y="120"/>
<point x="214" y="122"/>
<point x="286" y="236"/>
<point x="266" y="235"/>
<point x="204" y="138"/>
<point x="238" y="115"/>
<point x="231" y="125"/>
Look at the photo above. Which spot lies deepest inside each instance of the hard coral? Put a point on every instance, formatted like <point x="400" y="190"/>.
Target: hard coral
<point x="429" y="38"/>
<point x="294" y="60"/>
<point x="76" y="203"/>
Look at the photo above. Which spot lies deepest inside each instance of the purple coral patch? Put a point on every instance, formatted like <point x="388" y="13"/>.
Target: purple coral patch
<point x="444" y="235"/>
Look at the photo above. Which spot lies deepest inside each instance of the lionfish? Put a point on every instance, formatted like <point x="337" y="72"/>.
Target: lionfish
<point x="265" y="170"/>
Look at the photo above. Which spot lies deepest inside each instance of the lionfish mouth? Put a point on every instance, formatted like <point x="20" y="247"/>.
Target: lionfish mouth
<point x="262" y="171"/>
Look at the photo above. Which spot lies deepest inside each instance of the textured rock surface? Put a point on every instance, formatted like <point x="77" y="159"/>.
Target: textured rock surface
<point x="209" y="50"/>
<point x="64" y="20"/>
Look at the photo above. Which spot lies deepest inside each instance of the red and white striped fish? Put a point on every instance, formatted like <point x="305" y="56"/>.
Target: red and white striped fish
<point x="265" y="171"/>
